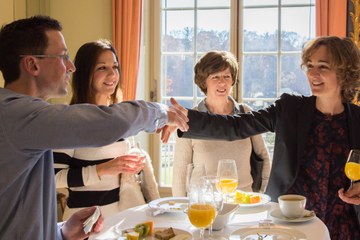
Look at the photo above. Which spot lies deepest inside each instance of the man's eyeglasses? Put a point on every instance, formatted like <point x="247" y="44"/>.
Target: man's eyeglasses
<point x="65" y="57"/>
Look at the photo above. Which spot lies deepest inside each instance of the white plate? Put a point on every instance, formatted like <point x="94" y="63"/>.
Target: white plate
<point x="170" y="204"/>
<point x="264" y="199"/>
<point x="272" y="232"/>
<point x="277" y="215"/>
<point x="177" y="231"/>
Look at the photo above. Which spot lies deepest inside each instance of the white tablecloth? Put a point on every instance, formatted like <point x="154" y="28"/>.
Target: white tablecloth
<point x="314" y="229"/>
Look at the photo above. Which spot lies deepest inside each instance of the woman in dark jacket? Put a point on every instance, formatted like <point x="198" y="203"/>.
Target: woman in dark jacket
<point x="313" y="134"/>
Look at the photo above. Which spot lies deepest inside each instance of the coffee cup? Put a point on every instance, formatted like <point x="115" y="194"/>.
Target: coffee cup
<point x="292" y="206"/>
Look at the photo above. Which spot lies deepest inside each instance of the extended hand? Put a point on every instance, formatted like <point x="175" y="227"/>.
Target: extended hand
<point x="352" y="195"/>
<point x="166" y="131"/>
<point x="180" y="121"/>
<point x="177" y="116"/>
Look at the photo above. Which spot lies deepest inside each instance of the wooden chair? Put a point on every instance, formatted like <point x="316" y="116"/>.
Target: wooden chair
<point x="61" y="203"/>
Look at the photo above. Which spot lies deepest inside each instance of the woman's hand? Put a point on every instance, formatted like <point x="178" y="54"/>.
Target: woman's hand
<point x="130" y="163"/>
<point x="352" y="195"/>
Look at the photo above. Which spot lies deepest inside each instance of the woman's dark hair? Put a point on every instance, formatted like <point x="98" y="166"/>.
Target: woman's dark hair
<point x="23" y="37"/>
<point x="85" y="61"/>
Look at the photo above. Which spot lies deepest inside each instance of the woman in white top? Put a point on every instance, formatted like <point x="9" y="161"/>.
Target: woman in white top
<point x="104" y="176"/>
<point x="215" y="74"/>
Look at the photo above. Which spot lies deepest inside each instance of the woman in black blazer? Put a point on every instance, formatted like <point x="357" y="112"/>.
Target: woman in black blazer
<point x="313" y="134"/>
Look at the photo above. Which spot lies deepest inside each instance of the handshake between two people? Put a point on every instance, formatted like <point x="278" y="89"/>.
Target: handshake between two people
<point x="177" y="118"/>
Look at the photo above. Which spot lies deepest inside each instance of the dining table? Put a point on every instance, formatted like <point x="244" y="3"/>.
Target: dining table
<point x="244" y="217"/>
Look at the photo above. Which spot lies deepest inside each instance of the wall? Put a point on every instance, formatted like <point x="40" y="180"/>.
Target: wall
<point x="10" y="10"/>
<point x="82" y="20"/>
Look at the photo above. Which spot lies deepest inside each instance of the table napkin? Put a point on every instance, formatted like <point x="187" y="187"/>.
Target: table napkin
<point x="89" y="223"/>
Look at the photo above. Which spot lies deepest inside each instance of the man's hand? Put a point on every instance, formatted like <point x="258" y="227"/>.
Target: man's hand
<point x="177" y="116"/>
<point x="73" y="227"/>
<point x="352" y="195"/>
<point x="166" y="131"/>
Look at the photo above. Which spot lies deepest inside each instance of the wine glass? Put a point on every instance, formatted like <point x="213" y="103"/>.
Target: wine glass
<point x="227" y="173"/>
<point x="194" y="172"/>
<point x="202" y="207"/>
<point x="135" y="149"/>
<point x="214" y="181"/>
<point x="352" y="166"/>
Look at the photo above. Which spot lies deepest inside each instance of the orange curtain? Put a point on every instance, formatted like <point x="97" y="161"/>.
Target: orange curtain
<point x="126" y="28"/>
<point x="331" y="18"/>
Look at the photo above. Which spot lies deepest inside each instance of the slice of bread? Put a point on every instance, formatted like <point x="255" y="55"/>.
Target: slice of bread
<point x="165" y="234"/>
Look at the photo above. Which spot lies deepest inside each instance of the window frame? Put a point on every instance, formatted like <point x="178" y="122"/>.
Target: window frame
<point x="236" y="42"/>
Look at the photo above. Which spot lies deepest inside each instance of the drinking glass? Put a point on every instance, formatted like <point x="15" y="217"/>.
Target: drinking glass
<point x="352" y="166"/>
<point x="194" y="172"/>
<point x="227" y="173"/>
<point x="202" y="207"/>
<point x="214" y="181"/>
<point x="135" y="149"/>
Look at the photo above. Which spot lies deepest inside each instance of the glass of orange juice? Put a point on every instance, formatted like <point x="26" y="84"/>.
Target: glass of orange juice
<point x="202" y="208"/>
<point x="352" y="166"/>
<point x="218" y="198"/>
<point x="227" y="173"/>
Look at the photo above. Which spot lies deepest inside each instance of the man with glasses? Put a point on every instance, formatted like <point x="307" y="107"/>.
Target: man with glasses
<point x="36" y="67"/>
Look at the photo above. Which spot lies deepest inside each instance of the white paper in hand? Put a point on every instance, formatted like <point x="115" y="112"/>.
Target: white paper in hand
<point x="89" y="223"/>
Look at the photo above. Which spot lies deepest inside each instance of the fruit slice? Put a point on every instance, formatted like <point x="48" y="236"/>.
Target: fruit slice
<point x="150" y="225"/>
<point x="132" y="236"/>
<point x="255" y="199"/>
<point x="143" y="229"/>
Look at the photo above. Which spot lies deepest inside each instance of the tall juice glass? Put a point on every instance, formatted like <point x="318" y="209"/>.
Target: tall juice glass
<point x="202" y="208"/>
<point x="218" y="198"/>
<point x="227" y="173"/>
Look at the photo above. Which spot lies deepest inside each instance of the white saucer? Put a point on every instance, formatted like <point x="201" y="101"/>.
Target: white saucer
<point x="277" y="215"/>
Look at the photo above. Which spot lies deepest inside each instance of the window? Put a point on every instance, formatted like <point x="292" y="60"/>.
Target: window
<point x="266" y="35"/>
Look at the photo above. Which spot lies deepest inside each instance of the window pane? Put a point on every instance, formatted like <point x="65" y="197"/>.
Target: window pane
<point x="257" y="35"/>
<point x="259" y="2"/>
<point x="177" y="3"/>
<point x="290" y="2"/>
<point x="177" y="75"/>
<point x="259" y="76"/>
<point x="185" y="103"/>
<point x="177" y="36"/>
<point x="293" y="79"/>
<point x="213" y="32"/>
<point x="258" y="103"/>
<point x="295" y="22"/>
<point x="213" y="3"/>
